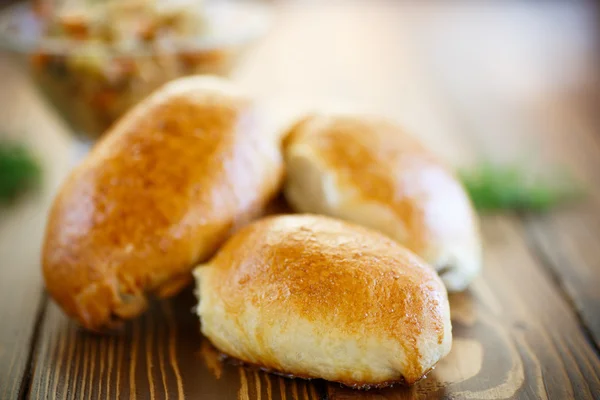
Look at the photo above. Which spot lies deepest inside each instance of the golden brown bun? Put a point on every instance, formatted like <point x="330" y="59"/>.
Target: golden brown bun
<point x="317" y="297"/>
<point x="369" y="171"/>
<point x="160" y="193"/>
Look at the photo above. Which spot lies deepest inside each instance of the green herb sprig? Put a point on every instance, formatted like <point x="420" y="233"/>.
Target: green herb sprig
<point x="509" y="188"/>
<point x="19" y="170"/>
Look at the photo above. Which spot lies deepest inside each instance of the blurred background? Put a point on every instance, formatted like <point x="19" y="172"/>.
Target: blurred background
<point x="490" y="82"/>
<point x="483" y="83"/>
<point x="467" y="76"/>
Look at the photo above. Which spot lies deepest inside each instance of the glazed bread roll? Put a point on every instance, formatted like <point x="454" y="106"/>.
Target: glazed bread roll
<point x="369" y="171"/>
<point x="158" y="194"/>
<point x="316" y="297"/>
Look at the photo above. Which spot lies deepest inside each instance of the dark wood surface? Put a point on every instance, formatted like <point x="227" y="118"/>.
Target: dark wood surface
<point x="475" y="80"/>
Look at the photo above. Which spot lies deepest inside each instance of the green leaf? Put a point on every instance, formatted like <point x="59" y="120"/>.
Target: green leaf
<point x="19" y="170"/>
<point x="492" y="188"/>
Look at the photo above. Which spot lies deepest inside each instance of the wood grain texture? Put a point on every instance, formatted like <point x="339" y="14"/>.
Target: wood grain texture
<point x="446" y="72"/>
<point x="567" y="240"/>
<point x="159" y="356"/>
<point x="22" y="299"/>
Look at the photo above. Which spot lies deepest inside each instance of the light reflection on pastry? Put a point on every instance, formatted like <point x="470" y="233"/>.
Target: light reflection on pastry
<point x="369" y="171"/>
<point x="317" y="297"/>
<point x="159" y="193"/>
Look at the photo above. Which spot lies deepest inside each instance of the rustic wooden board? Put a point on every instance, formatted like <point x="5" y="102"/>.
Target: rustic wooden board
<point x="161" y="355"/>
<point x="22" y="299"/>
<point x="512" y="332"/>
<point x="517" y="334"/>
<point x="568" y="239"/>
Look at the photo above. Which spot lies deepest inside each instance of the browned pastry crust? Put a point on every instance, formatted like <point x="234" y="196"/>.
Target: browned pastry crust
<point x="370" y="171"/>
<point x="163" y="189"/>
<point x="316" y="297"/>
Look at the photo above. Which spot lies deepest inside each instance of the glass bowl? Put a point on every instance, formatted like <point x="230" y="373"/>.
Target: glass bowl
<point x="92" y="83"/>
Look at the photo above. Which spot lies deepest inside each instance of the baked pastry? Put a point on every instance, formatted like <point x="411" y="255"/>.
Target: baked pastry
<point x="369" y="171"/>
<point x="317" y="297"/>
<point x="158" y="194"/>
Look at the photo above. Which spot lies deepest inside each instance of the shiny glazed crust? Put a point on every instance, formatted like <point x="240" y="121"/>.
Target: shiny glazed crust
<point x="369" y="171"/>
<point x="316" y="297"/>
<point x="158" y="194"/>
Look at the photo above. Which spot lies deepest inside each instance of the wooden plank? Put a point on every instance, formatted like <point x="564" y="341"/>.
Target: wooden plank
<point x="567" y="240"/>
<point x="21" y="226"/>
<point x="159" y="356"/>
<point x="507" y="344"/>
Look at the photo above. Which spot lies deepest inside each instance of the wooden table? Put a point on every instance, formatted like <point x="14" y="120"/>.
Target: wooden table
<point x="504" y="80"/>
